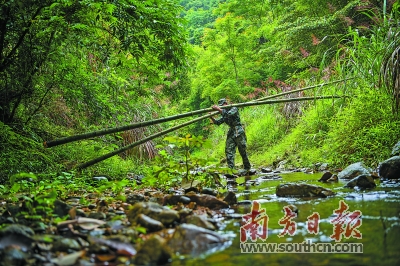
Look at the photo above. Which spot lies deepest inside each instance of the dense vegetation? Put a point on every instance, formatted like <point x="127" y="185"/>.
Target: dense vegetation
<point x="69" y="67"/>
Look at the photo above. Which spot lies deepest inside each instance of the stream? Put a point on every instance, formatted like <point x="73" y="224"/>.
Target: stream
<point x="379" y="227"/>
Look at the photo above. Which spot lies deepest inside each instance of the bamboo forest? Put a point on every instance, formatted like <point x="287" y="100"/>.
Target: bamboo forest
<point x="199" y="132"/>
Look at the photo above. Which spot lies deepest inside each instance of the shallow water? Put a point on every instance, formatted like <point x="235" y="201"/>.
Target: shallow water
<point x="380" y="224"/>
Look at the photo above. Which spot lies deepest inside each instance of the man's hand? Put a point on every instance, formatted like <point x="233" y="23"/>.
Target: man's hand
<point x="216" y="108"/>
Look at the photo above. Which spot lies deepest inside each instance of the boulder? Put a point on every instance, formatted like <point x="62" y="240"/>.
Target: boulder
<point x="354" y="170"/>
<point x="192" y="240"/>
<point x="390" y="169"/>
<point x="302" y="190"/>
<point x="361" y="181"/>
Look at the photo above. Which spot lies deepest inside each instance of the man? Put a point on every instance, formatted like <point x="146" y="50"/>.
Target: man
<point x="236" y="136"/>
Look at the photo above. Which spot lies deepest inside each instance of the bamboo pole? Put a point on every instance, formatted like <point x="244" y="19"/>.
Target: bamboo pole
<point x="49" y="144"/>
<point x="134" y="144"/>
<point x="302" y="89"/>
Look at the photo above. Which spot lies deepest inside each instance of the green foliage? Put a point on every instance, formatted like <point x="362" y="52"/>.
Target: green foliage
<point x="21" y="153"/>
<point x="390" y="65"/>
<point x="263" y="130"/>
<point x="365" y="130"/>
<point x="172" y="169"/>
<point x="198" y="15"/>
<point x="339" y="133"/>
<point x="74" y="67"/>
<point x="85" y="53"/>
<point x="116" y="187"/>
<point x="306" y="41"/>
<point x="37" y="195"/>
<point x="37" y="205"/>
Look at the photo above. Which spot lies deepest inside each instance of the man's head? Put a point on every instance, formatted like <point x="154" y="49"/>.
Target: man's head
<point x="222" y="101"/>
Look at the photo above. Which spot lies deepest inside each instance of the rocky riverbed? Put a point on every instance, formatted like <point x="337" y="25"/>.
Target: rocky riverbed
<point x="151" y="227"/>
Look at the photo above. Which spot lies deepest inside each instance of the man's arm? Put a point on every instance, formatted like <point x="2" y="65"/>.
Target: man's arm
<point x="220" y="120"/>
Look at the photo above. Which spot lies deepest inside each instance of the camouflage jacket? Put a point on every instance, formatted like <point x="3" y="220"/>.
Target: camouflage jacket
<point x="232" y="119"/>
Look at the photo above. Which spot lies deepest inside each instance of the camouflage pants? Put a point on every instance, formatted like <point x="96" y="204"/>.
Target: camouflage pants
<point x="230" y="149"/>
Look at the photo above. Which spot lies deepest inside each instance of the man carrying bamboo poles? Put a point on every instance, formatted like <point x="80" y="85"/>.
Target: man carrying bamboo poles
<point x="236" y="136"/>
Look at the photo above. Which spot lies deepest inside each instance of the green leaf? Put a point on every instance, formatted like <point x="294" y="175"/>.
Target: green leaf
<point x="15" y="188"/>
<point x="22" y="176"/>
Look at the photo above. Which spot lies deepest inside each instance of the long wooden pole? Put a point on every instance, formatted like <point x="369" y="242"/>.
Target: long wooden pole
<point x="302" y="89"/>
<point x="134" y="144"/>
<point x="65" y="140"/>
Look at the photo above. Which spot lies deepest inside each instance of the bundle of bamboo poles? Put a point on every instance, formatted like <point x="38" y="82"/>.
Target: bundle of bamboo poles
<point x="260" y="101"/>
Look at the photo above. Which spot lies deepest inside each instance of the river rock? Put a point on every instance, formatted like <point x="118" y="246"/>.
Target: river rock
<point x="361" y="181"/>
<point x="16" y="235"/>
<point x="153" y="210"/>
<point x="13" y="256"/>
<point x="328" y="177"/>
<point x="354" y="170"/>
<point x="175" y="199"/>
<point x="266" y="170"/>
<point x="150" y="224"/>
<point x="134" y="198"/>
<point x="153" y="251"/>
<point x="209" y="191"/>
<point x="302" y="190"/>
<point x="97" y="215"/>
<point x="192" y="240"/>
<point x="325" y="176"/>
<point x="396" y="149"/>
<point x="244" y="172"/>
<point x="61" y="208"/>
<point x="323" y="167"/>
<point x="200" y="220"/>
<point x="100" y="178"/>
<point x="66" y="244"/>
<point x="390" y="169"/>
<point x="230" y="198"/>
<point x="135" y="177"/>
<point x="281" y="165"/>
<point x="209" y="201"/>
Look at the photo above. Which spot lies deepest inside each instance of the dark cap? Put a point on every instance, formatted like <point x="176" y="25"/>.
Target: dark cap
<point x="222" y="101"/>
